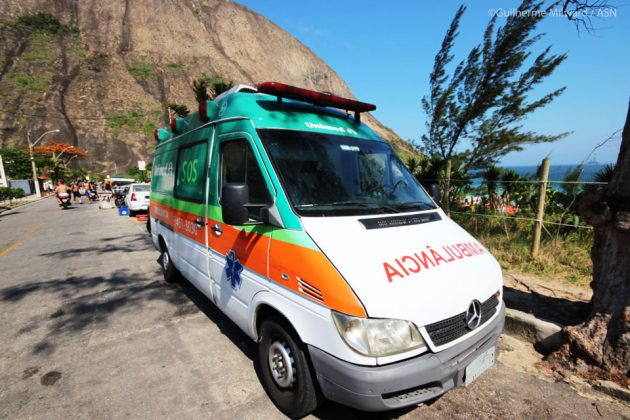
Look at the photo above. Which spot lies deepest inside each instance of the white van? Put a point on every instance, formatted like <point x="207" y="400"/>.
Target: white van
<point x="306" y="229"/>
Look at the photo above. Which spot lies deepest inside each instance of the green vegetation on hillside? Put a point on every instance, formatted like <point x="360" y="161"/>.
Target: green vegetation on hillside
<point x="137" y="119"/>
<point x="42" y="22"/>
<point x="37" y="83"/>
<point x="141" y="70"/>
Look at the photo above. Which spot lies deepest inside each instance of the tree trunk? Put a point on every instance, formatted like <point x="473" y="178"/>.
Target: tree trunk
<point x="600" y="346"/>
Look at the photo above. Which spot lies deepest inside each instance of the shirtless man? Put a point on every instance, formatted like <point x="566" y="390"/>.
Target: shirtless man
<point x="60" y="190"/>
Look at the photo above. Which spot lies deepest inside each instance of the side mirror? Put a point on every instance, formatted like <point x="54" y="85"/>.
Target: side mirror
<point x="436" y="192"/>
<point x="234" y="198"/>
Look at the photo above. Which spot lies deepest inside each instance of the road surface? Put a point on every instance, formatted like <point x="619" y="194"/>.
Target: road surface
<point x="90" y="330"/>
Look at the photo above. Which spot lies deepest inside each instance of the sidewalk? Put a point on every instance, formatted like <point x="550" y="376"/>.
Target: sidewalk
<point x="7" y="206"/>
<point x="537" y="311"/>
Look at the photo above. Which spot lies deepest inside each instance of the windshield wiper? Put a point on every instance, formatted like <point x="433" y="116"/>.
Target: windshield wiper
<point x="374" y="206"/>
<point x="421" y="204"/>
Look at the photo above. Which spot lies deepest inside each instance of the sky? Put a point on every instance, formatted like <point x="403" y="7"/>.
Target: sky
<point x="384" y="51"/>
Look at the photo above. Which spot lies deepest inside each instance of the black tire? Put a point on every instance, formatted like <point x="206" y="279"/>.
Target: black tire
<point x="132" y="213"/>
<point x="171" y="274"/>
<point x="295" y="393"/>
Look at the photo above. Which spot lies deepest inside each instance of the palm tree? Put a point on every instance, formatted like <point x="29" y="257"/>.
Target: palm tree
<point x="509" y="181"/>
<point x="491" y="177"/>
<point x="603" y="175"/>
<point x="180" y="109"/>
<point x="200" y="89"/>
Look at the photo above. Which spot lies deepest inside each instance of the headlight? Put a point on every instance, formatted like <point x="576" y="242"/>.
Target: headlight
<point x="378" y="337"/>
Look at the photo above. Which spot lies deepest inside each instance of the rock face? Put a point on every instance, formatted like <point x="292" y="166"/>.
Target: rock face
<point x="105" y="77"/>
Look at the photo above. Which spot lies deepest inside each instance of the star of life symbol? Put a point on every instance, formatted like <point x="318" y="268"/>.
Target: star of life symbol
<point x="233" y="269"/>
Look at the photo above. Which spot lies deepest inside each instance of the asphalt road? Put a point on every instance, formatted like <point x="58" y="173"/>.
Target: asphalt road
<point x="88" y="329"/>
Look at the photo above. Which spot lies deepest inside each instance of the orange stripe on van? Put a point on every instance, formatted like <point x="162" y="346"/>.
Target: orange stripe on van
<point x="313" y="268"/>
<point x="307" y="272"/>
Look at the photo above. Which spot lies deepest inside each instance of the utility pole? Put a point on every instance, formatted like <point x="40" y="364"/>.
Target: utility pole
<point x="4" y="182"/>
<point x="30" y="151"/>
<point x="540" y="214"/>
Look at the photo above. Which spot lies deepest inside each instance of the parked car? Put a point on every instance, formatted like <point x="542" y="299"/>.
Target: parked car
<point x="137" y="198"/>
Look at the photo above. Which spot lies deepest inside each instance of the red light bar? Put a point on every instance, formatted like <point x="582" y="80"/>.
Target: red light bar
<point x="318" y="98"/>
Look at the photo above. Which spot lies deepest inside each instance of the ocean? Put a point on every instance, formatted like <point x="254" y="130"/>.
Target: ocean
<point x="556" y="172"/>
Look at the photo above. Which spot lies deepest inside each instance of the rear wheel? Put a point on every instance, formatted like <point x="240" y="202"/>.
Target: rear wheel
<point x="132" y="213"/>
<point x="285" y="370"/>
<point x="171" y="274"/>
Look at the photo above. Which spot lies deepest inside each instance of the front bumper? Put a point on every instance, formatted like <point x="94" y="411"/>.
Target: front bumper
<point x="379" y="388"/>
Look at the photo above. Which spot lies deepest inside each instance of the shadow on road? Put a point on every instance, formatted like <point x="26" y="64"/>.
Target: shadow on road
<point x="128" y="243"/>
<point x="7" y="213"/>
<point x="558" y="310"/>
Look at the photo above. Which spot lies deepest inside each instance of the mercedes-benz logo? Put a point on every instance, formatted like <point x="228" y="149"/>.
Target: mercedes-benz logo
<point x="473" y="315"/>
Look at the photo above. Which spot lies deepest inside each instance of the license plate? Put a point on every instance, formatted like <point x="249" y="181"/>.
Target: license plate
<point x="479" y="365"/>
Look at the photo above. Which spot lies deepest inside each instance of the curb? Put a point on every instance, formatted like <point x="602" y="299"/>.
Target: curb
<point x="612" y="389"/>
<point x="545" y="336"/>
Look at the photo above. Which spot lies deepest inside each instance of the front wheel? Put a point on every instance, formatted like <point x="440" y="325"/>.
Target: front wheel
<point x="285" y="370"/>
<point x="171" y="274"/>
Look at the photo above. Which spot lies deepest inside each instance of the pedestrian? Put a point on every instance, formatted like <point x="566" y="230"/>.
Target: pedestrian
<point x="75" y="192"/>
<point x="87" y="187"/>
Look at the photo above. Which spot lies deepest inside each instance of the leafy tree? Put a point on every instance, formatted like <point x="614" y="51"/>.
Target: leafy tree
<point x="45" y="23"/>
<point x="412" y="164"/>
<point x="17" y="163"/>
<point x="476" y="112"/>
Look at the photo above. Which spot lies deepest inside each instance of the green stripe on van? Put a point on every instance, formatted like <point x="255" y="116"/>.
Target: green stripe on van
<point x="294" y="237"/>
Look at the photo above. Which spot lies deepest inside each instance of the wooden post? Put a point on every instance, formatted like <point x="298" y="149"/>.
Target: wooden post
<point x="542" y="190"/>
<point x="447" y="189"/>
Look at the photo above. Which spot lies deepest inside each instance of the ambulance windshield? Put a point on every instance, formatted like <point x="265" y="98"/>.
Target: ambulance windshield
<point x="334" y="175"/>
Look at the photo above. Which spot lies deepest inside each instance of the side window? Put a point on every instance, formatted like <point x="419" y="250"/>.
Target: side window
<point x="191" y="172"/>
<point x="238" y="164"/>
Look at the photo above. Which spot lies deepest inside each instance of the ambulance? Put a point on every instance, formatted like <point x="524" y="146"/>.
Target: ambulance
<point x="305" y="228"/>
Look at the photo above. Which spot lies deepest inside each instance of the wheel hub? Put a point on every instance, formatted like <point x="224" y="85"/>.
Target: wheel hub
<point x="165" y="261"/>
<point x="281" y="364"/>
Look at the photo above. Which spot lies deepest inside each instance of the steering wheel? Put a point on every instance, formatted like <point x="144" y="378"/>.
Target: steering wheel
<point x="400" y="182"/>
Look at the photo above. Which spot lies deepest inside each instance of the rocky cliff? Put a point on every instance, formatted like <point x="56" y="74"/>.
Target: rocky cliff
<point x="104" y="72"/>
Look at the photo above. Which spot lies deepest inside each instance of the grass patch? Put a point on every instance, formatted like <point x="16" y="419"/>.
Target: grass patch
<point x="563" y="257"/>
<point x="137" y="119"/>
<point x="175" y="65"/>
<point x="40" y="48"/>
<point x="44" y="23"/>
<point x="77" y="52"/>
<point x="129" y="119"/>
<point x="142" y="70"/>
<point x="32" y="83"/>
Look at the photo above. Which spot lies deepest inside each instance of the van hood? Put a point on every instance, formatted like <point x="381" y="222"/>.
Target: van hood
<point x="405" y="268"/>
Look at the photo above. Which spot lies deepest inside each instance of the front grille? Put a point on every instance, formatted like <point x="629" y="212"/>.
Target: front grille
<point x="450" y="329"/>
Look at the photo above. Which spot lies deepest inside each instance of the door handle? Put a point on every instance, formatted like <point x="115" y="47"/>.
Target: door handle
<point x="217" y="229"/>
<point x="199" y="222"/>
